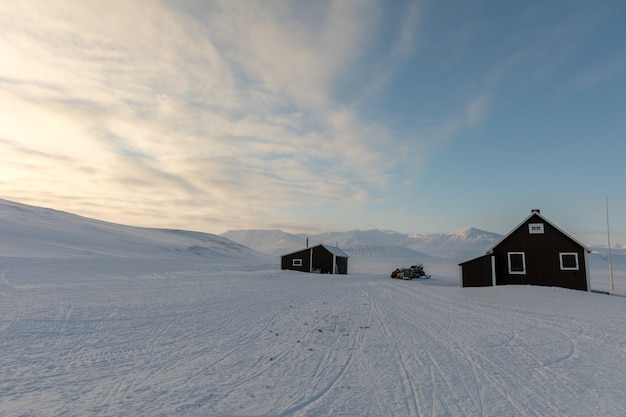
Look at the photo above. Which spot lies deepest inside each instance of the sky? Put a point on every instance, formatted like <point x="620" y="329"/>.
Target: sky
<point x="413" y="116"/>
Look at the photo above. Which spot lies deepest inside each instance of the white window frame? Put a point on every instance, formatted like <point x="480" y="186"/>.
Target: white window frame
<point x="296" y="262"/>
<point x="535" y="228"/>
<point x="523" y="271"/>
<point x="564" y="268"/>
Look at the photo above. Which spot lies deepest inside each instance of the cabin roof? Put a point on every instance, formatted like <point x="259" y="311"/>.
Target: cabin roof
<point x="538" y="214"/>
<point x="335" y="250"/>
<point x="332" y="249"/>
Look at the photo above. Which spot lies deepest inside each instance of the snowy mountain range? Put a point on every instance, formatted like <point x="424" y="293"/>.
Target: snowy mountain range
<point x="463" y="244"/>
<point x="450" y="248"/>
<point x="29" y="231"/>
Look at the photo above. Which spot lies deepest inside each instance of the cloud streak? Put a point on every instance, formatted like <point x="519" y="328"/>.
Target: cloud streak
<point x="131" y="111"/>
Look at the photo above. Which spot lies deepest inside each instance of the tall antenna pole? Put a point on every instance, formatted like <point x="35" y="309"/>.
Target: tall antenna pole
<point x="608" y="234"/>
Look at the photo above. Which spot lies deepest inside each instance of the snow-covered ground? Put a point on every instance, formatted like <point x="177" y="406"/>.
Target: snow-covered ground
<point x="158" y="337"/>
<point x="204" y="332"/>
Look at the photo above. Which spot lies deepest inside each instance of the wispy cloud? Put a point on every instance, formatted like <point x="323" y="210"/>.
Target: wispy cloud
<point x="477" y="110"/>
<point x="598" y="73"/>
<point x="222" y="110"/>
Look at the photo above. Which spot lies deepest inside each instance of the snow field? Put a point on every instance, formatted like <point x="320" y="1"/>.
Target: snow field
<point x="191" y="337"/>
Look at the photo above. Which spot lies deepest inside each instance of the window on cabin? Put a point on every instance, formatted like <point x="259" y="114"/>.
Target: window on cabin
<point x="569" y="261"/>
<point x="296" y="262"/>
<point x="535" y="228"/>
<point x="517" y="263"/>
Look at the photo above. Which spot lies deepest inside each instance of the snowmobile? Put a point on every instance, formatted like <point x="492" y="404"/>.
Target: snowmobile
<point x="415" y="271"/>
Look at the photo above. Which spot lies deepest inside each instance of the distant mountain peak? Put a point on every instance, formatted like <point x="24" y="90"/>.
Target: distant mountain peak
<point x="473" y="233"/>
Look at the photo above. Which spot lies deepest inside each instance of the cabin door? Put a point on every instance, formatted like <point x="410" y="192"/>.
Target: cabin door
<point x="342" y="265"/>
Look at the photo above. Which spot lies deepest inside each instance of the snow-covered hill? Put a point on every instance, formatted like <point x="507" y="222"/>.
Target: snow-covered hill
<point x="28" y="231"/>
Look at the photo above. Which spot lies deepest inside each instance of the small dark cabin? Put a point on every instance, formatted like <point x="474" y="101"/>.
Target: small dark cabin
<point x="323" y="259"/>
<point x="535" y="253"/>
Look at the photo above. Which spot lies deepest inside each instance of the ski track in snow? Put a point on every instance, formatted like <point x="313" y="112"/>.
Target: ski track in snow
<point x="191" y="338"/>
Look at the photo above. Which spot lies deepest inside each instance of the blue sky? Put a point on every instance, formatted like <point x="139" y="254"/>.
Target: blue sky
<point x="420" y="117"/>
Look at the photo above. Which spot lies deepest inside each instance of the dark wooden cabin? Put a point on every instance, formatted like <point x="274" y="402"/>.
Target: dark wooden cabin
<point x="535" y="253"/>
<point x="323" y="259"/>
